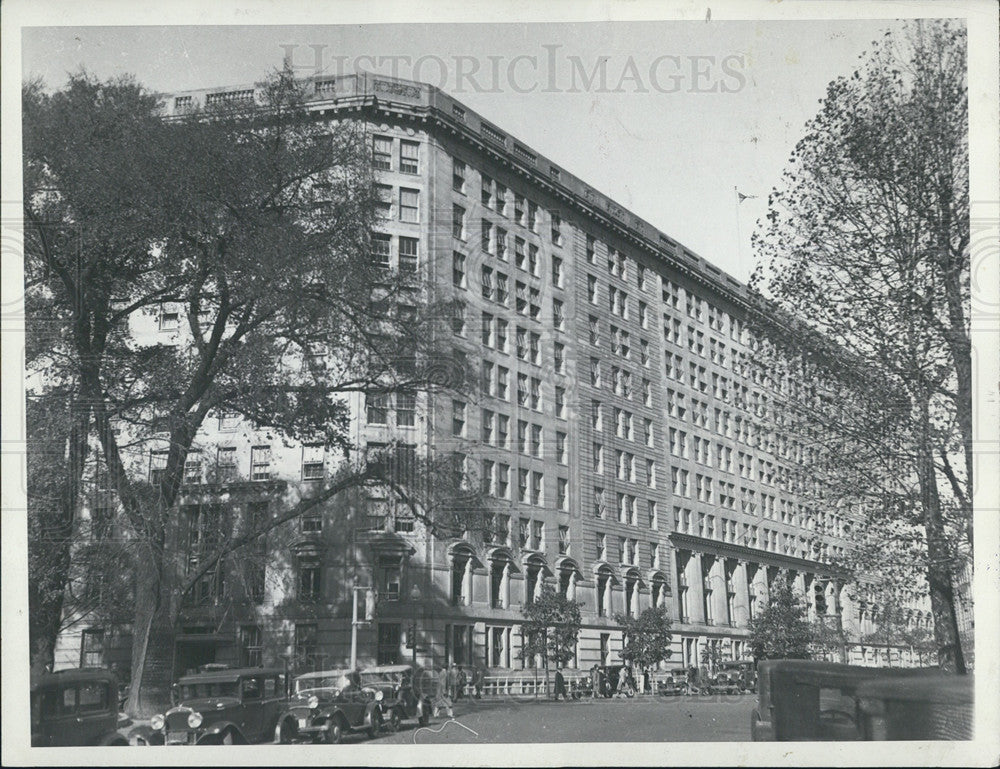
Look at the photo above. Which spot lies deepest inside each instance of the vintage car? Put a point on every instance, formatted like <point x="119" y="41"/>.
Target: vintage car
<point x="328" y="704"/>
<point x="813" y="701"/>
<point x="735" y="677"/>
<point x="75" y="707"/>
<point x="401" y="699"/>
<point x="672" y="682"/>
<point x="923" y="707"/>
<point x="219" y="707"/>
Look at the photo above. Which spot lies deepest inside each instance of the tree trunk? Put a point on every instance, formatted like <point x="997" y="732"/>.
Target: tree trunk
<point x="153" y="630"/>
<point x="939" y="570"/>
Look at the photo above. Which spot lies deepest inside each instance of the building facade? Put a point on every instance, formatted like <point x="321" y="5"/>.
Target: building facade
<point x="620" y="424"/>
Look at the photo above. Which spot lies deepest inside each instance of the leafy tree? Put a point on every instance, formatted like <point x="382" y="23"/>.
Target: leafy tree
<point x="551" y="625"/>
<point x="647" y="637"/>
<point x="781" y="631"/>
<point x="867" y="241"/>
<point x="254" y="220"/>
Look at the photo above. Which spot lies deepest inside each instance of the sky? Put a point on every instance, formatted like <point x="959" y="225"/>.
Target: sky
<point x="687" y="111"/>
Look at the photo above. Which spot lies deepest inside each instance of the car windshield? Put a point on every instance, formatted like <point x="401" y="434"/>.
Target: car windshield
<point x="321" y="685"/>
<point x="210" y="690"/>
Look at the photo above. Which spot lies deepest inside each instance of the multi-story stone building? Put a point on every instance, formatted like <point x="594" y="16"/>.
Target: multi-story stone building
<point x="620" y="424"/>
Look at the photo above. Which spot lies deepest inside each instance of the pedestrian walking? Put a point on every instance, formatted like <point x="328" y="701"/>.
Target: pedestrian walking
<point x="560" y="686"/>
<point x="443" y="697"/>
<point x="478" y="675"/>
<point x="460" y="684"/>
<point x="595" y="681"/>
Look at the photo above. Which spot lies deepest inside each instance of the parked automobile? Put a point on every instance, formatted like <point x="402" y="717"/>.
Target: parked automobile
<point x="807" y="700"/>
<point x="923" y="707"/>
<point x="400" y="700"/>
<point x="740" y="676"/>
<point x="672" y="682"/>
<point x="219" y="707"/>
<point x="75" y="707"/>
<point x="328" y="704"/>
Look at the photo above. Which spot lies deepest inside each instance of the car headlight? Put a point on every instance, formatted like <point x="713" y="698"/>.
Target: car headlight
<point x="379" y="695"/>
<point x="313" y="702"/>
<point x="194" y="720"/>
<point x="157" y="722"/>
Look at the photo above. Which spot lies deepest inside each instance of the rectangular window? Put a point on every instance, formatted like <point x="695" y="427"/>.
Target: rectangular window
<point x="522" y="486"/>
<point x="536" y="489"/>
<point x="383" y="200"/>
<point x="558" y="317"/>
<point x="652" y="514"/>
<point x="600" y="503"/>
<point x="501" y="244"/>
<point x="377" y="408"/>
<point x="519" y="209"/>
<point x="561" y="448"/>
<point x="313" y="461"/>
<point x="557" y="272"/>
<point x="458" y="419"/>
<point x="381" y="249"/>
<point x="556" y="229"/>
<point x="406" y="405"/>
<point x="408" y="255"/>
<point x="501" y="199"/>
<point x="458" y="222"/>
<point x="503" y="383"/>
<point x="562" y="494"/>
<point x="486" y="236"/>
<point x="537" y="532"/>
<point x="251" y="648"/>
<point x="382" y="152"/>
<point x="226" y="462"/>
<point x="602" y="549"/>
<point x="560" y="402"/>
<point x="458" y="171"/>
<point x="157" y="467"/>
<point x="559" y="357"/>
<point x="260" y="463"/>
<point x="409" y="205"/>
<point x="486" y="195"/>
<point x="92" y="648"/>
<point x="564" y="540"/>
<point x="309" y="580"/>
<point x="409" y="157"/>
<point x="458" y="269"/>
<point x="596" y="417"/>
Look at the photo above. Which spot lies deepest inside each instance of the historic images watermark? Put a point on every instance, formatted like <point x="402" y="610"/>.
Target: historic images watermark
<point x="545" y="71"/>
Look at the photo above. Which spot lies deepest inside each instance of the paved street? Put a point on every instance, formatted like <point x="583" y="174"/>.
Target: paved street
<point x="691" y="719"/>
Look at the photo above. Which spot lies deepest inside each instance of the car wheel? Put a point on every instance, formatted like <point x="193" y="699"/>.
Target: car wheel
<point x="287" y="731"/>
<point x="376" y="726"/>
<point x="335" y="731"/>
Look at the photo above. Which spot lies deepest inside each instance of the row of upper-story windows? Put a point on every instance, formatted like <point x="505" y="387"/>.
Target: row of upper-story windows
<point x="397" y="203"/>
<point x="700" y="310"/>
<point x="496" y="197"/>
<point x="627" y="554"/>
<point x="391" y="154"/>
<point x="495" y="479"/>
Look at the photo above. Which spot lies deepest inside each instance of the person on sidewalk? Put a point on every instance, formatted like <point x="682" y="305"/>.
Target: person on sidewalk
<point x="560" y="686"/>
<point x="478" y="676"/>
<point x="443" y="694"/>
<point x="595" y="681"/>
